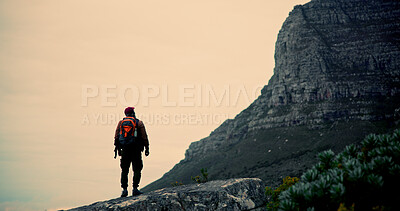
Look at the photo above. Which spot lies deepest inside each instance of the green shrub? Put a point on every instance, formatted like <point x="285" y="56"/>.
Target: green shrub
<point x="272" y="195"/>
<point x="201" y="178"/>
<point x="359" y="178"/>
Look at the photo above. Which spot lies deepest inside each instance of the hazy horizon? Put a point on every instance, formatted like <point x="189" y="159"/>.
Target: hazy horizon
<point x="68" y="69"/>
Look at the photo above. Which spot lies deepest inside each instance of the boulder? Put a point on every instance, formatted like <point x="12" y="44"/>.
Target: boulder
<point x="232" y="194"/>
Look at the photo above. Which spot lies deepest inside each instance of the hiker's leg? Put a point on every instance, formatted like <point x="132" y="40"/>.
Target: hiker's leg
<point x="125" y="163"/>
<point x="137" y="166"/>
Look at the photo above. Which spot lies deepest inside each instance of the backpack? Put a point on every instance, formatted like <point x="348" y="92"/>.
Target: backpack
<point x="128" y="131"/>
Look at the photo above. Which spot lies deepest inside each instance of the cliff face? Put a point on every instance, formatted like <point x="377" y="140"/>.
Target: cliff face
<point x="336" y="78"/>
<point x="342" y="55"/>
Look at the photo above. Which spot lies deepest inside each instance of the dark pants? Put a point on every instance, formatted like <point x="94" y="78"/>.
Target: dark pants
<point x="129" y="156"/>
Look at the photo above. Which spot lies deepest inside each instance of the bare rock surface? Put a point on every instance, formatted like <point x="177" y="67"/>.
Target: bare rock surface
<point x="232" y="194"/>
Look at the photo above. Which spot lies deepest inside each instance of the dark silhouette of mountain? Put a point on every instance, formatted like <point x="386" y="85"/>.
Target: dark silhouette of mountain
<point x="336" y="79"/>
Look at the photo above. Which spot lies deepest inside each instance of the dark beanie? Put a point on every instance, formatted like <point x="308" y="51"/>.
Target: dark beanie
<point x="129" y="110"/>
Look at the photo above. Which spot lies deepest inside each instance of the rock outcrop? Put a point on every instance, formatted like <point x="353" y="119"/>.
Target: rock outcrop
<point x="336" y="79"/>
<point x="232" y="194"/>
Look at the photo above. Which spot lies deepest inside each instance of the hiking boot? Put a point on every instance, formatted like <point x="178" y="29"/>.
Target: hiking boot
<point x="136" y="192"/>
<point x="124" y="192"/>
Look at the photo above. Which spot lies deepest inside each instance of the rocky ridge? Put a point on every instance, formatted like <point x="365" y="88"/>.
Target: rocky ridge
<point x="232" y="194"/>
<point x="337" y="72"/>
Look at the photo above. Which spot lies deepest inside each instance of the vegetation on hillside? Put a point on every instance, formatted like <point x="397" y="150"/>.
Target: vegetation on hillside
<point x="201" y="178"/>
<point x="363" y="177"/>
<point x="273" y="194"/>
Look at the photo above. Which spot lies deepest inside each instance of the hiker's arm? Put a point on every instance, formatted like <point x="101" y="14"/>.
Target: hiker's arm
<point x="116" y="136"/>
<point x="143" y="135"/>
<point x="117" y="150"/>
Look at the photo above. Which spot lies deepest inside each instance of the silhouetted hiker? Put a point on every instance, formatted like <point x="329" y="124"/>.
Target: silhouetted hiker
<point x="130" y="140"/>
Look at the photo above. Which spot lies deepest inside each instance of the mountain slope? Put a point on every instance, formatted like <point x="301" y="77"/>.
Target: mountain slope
<point x="336" y="79"/>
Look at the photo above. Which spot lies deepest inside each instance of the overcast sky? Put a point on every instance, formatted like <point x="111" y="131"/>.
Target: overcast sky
<point x="69" y="68"/>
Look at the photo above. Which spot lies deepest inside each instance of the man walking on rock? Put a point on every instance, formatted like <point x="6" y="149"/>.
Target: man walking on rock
<point x="130" y="140"/>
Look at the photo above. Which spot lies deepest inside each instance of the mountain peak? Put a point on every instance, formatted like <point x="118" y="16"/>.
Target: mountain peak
<point x="336" y="79"/>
